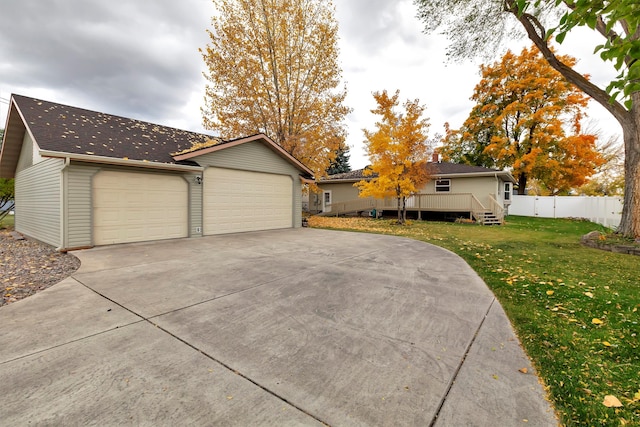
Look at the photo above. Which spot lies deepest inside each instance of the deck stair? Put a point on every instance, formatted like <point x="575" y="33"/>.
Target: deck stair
<point x="486" y="217"/>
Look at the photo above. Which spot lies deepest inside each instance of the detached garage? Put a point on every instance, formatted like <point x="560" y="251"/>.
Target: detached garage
<point x="85" y="178"/>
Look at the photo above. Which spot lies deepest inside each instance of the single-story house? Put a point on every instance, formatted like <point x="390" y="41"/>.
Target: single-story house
<point x="454" y="190"/>
<point x="85" y="178"/>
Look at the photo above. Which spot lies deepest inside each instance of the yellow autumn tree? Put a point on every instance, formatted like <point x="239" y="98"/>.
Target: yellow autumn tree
<point x="527" y="118"/>
<point x="273" y="69"/>
<point x="398" y="150"/>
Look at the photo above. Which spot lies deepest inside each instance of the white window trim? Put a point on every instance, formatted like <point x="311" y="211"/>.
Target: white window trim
<point x="508" y="191"/>
<point x="448" y="186"/>
<point x="326" y="207"/>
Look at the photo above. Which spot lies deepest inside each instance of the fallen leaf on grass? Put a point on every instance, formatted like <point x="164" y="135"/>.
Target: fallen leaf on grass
<point x="549" y="293"/>
<point x="611" y="402"/>
<point x="589" y="294"/>
<point x="606" y="343"/>
<point x="596" y="321"/>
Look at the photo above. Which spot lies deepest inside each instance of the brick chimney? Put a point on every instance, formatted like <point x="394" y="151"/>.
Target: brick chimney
<point x="435" y="157"/>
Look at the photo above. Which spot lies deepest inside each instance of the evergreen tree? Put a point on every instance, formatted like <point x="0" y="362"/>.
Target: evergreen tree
<point x="341" y="163"/>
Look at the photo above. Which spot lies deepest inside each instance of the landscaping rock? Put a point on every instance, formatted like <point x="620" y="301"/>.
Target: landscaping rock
<point x="597" y="240"/>
<point x="28" y="266"/>
<point x="623" y="249"/>
<point x="594" y="235"/>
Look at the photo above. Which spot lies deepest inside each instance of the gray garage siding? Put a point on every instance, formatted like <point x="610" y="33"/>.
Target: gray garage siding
<point x="256" y="157"/>
<point x="195" y="205"/>
<point x="26" y="154"/>
<point x="78" y="205"/>
<point x="38" y="201"/>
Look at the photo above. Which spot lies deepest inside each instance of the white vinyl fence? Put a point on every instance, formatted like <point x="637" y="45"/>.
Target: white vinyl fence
<point x="603" y="210"/>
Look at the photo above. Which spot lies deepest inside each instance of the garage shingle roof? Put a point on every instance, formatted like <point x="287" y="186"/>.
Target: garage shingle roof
<point x="62" y="128"/>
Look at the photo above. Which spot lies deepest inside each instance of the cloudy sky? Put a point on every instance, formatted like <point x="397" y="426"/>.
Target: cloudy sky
<point x="140" y="59"/>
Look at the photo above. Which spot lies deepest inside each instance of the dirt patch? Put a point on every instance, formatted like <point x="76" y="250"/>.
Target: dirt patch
<point x="28" y="266"/>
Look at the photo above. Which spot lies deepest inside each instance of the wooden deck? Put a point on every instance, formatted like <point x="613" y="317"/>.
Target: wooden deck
<point x="466" y="202"/>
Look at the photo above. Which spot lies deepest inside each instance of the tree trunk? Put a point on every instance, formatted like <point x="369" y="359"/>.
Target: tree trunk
<point x="399" y="210"/>
<point x="522" y="184"/>
<point x="629" y="120"/>
<point x="404" y="210"/>
<point x="630" y="223"/>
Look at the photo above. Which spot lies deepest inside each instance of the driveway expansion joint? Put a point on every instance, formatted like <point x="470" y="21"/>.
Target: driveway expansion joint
<point x="240" y="374"/>
<point x="462" y="360"/>
<point x="210" y="357"/>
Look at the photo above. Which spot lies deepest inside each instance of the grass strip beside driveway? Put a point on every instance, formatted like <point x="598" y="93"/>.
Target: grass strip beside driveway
<point x="575" y="309"/>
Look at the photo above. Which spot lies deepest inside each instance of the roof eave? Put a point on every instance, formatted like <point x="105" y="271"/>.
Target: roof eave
<point x="336" y="181"/>
<point x="90" y="158"/>
<point x="501" y="174"/>
<point x="12" y="141"/>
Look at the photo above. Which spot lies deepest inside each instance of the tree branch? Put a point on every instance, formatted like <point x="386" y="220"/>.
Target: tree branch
<point x="536" y="32"/>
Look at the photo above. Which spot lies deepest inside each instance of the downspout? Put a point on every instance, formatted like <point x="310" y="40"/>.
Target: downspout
<point x="63" y="207"/>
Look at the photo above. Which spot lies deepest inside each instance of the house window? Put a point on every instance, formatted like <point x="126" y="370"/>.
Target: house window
<point x="507" y="191"/>
<point x="443" y="185"/>
<point x="327" y="198"/>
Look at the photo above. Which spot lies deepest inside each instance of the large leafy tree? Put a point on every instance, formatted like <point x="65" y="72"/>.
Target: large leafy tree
<point x="527" y="118"/>
<point x="477" y="26"/>
<point x="273" y="68"/>
<point x="398" y="150"/>
<point x="609" y="177"/>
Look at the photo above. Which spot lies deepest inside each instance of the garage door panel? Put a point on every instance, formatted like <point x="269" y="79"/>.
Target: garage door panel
<point x="236" y="201"/>
<point x="135" y="207"/>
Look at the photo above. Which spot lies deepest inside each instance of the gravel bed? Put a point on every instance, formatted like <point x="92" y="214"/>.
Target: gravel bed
<point x="28" y="266"/>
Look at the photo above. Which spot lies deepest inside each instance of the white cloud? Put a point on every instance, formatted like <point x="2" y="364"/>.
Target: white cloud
<point x="140" y="59"/>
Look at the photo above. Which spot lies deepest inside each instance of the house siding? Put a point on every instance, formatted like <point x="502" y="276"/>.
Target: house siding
<point x="256" y="157"/>
<point x="339" y="192"/>
<point x="481" y="187"/>
<point x="38" y="200"/>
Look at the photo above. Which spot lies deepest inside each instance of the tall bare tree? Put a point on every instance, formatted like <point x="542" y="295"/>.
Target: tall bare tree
<point x="273" y="68"/>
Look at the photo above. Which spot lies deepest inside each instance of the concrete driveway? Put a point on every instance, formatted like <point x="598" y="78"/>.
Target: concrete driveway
<point x="290" y="327"/>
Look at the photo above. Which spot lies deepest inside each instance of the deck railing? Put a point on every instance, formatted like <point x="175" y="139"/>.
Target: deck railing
<point x="465" y="202"/>
<point x="496" y="208"/>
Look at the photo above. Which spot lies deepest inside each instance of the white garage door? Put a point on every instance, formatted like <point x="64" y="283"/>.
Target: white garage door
<point x="236" y="201"/>
<point x="137" y="207"/>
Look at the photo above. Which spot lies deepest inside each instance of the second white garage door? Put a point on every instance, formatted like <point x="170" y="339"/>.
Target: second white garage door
<point x="137" y="207"/>
<point x="236" y="201"/>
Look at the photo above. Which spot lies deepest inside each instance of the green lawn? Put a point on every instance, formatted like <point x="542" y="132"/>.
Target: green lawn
<point x="7" y="222"/>
<point x="575" y="309"/>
